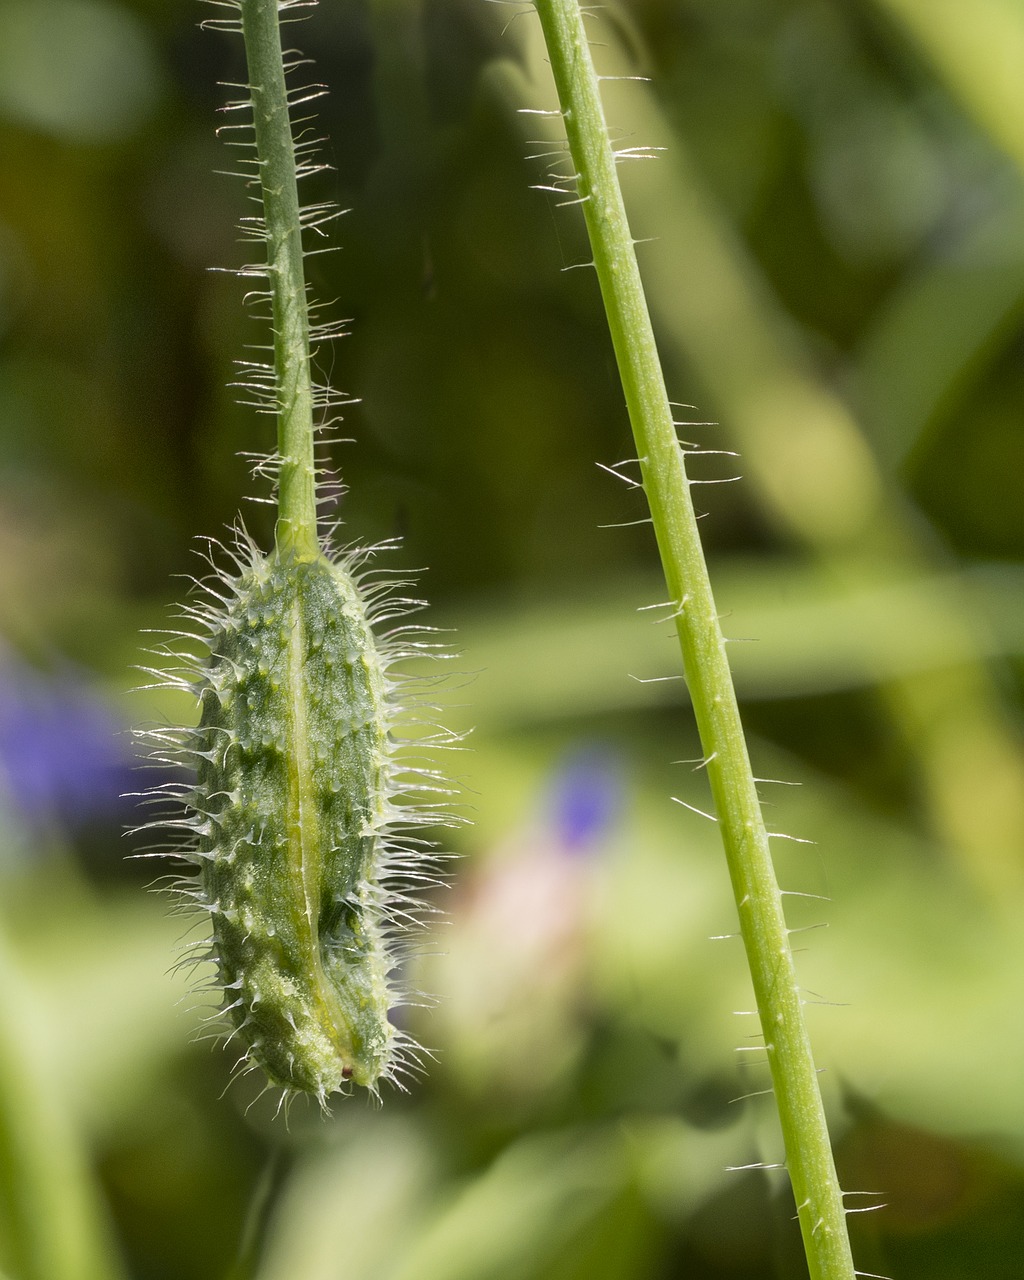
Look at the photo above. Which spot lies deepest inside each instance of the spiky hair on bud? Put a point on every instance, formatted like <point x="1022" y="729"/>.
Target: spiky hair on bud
<point x="303" y="818"/>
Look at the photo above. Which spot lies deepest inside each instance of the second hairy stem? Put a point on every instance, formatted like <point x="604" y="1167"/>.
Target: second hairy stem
<point x="759" y="903"/>
<point x="296" y="525"/>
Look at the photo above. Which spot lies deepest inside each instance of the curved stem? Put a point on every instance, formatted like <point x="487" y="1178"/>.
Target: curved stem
<point x="759" y="903"/>
<point x="296" y="524"/>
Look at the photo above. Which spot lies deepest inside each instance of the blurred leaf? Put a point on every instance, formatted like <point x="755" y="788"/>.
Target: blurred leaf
<point x="532" y="1199"/>
<point x="352" y="1203"/>
<point x="368" y="1208"/>
<point x="52" y="1222"/>
<point x="979" y="49"/>
<point x="112" y="1012"/>
<point x="811" y="632"/>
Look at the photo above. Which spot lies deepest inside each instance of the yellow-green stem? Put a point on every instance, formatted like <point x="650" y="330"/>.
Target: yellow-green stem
<point x="759" y="903"/>
<point x="296" y="523"/>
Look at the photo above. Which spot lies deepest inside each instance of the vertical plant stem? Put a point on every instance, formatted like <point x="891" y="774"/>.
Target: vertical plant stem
<point x="759" y="903"/>
<point x="296" y="524"/>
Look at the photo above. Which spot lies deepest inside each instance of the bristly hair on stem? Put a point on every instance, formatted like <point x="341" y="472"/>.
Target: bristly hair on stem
<point x="284" y="151"/>
<point x="306" y="816"/>
<point x="594" y="185"/>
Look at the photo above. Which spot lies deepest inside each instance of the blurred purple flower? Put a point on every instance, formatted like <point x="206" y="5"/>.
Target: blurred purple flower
<point x="63" y="754"/>
<point x="586" y="794"/>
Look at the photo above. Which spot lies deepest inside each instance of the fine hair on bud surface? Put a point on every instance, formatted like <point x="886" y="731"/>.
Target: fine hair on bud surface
<point x="303" y="817"/>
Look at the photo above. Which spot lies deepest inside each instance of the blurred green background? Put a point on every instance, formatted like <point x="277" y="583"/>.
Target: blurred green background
<point x="834" y="248"/>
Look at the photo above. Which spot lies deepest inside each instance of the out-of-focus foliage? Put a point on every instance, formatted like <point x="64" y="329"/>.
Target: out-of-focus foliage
<point x="836" y="268"/>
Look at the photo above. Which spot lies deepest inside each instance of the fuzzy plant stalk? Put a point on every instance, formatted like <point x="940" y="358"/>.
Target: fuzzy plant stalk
<point x="282" y="219"/>
<point x="302" y="823"/>
<point x="758" y="899"/>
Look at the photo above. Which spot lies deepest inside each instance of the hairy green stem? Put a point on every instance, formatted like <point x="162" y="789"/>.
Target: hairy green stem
<point x="296" y="524"/>
<point x="765" y="936"/>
